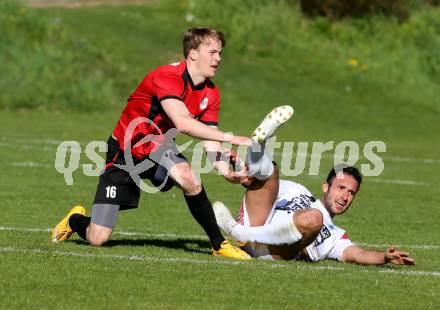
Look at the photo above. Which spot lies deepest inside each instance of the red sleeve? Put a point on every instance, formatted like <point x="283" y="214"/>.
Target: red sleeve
<point x="210" y="116"/>
<point x="345" y="236"/>
<point x="167" y="86"/>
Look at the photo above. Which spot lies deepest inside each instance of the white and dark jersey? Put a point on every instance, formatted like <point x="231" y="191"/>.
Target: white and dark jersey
<point x="330" y="243"/>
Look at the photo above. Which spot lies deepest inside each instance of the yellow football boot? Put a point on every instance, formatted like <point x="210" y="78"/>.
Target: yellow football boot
<point x="62" y="231"/>
<point x="228" y="250"/>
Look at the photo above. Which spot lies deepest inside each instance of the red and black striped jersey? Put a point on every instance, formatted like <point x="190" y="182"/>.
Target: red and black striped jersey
<point x="169" y="81"/>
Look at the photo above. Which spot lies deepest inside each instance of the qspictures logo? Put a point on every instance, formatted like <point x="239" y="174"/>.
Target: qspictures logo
<point x="294" y="158"/>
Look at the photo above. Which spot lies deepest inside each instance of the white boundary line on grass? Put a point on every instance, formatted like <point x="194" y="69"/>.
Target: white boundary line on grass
<point x="33" y="141"/>
<point x="397" y="181"/>
<point x="123" y="233"/>
<point x="29" y="164"/>
<point x="176" y="260"/>
<point x="203" y="237"/>
<point x="408" y="246"/>
<point x="412" y="273"/>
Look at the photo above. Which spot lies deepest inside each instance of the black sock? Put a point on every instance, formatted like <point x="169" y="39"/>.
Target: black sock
<point x="79" y="224"/>
<point x="201" y="210"/>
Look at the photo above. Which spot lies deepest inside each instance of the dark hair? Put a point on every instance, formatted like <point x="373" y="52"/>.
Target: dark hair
<point x="346" y="169"/>
<point x="193" y="37"/>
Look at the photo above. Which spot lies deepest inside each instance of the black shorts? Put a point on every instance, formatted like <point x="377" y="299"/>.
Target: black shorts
<point x="117" y="187"/>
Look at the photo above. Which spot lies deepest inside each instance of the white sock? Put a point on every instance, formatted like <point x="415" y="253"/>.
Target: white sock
<point x="282" y="233"/>
<point x="258" y="161"/>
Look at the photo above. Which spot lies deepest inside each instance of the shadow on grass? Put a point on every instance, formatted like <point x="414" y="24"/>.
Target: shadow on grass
<point x="189" y="245"/>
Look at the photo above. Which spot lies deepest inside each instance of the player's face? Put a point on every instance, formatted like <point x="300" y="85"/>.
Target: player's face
<point x="208" y="57"/>
<point x="338" y="197"/>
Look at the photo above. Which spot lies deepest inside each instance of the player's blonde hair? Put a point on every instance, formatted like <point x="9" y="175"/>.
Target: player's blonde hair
<point x="193" y="37"/>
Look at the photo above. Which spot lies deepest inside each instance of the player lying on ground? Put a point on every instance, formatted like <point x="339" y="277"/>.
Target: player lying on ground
<point x="178" y="96"/>
<point x="280" y="219"/>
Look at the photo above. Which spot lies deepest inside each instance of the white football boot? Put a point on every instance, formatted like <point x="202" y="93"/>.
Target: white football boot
<point x="224" y="218"/>
<point x="272" y="122"/>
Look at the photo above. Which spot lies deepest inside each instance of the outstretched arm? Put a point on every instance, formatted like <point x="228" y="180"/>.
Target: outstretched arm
<point x="182" y="120"/>
<point x="355" y="254"/>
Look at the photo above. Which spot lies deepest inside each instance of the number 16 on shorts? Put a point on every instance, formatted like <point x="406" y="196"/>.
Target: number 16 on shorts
<point x="110" y="191"/>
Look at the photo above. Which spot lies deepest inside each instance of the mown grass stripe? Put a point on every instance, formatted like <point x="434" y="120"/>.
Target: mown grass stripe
<point x="203" y="237"/>
<point x="177" y="260"/>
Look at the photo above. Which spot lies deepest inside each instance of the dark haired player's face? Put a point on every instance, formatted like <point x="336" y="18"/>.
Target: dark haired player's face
<point x="338" y="197"/>
<point x="208" y="57"/>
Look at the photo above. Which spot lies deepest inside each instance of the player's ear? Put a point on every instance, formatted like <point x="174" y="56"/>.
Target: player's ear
<point x="325" y="187"/>
<point x="193" y="54"/>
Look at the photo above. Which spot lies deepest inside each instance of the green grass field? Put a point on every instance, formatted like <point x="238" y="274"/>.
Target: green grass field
<point x="158" y="257"/>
